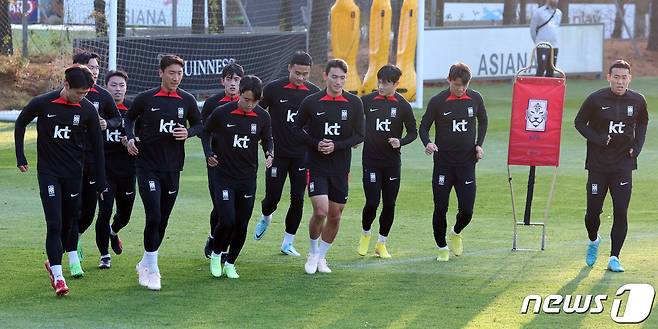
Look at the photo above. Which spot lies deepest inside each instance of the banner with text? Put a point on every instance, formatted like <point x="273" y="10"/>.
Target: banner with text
<point x="499" y="52"/>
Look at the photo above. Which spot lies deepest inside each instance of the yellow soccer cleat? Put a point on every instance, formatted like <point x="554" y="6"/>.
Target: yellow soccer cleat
<point x="364" y="242"/>
<point x="455" y="243"/>
<point x="444" y="254"/>
<point x="380" y="250"/>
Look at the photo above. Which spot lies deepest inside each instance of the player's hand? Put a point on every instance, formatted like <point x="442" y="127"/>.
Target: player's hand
<point x="103" y="123"/>
<point x="395" y="143"/>
<point x="268" y="161"/>
<point x="212" y="160"/>
<point x="431" y="148"/>
<point x="132" y="149"/>
<point x="180" y="132"/>
<point x="124" y="141"/>
<point x="631" y="152"/>
<point x="479" y="152"/>
<point x="327" y="146"/>
<point x="23" y="168"/>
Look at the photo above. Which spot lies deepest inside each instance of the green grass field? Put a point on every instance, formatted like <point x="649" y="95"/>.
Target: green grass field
<point x="482" y="289"/>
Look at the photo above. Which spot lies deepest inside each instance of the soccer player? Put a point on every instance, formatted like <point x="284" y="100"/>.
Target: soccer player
<point x="120" y="173"/>
<point x="460" y="121"/>
<point x="282" y="98"/>
<point x="230" y="79"/>
<point x="66" y="122"/>
<point x="614" y="122"/>
<point x="238" y="127"/>
<point x="109" y="118"/>
<point x="330" y="123"/>
<point x="163" y="113"/>
<point x="386" y="113"/>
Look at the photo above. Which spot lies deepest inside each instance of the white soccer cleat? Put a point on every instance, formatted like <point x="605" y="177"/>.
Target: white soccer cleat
<point x="323" y="267"/>
<point x="154" y="281"/>
<point x="311" y="265"/>
<point x="142" y="273"/>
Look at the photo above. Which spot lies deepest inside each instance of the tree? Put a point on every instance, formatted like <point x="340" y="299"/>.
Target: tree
<point x="6" y="45"/>
<point x="619" y="23"/>
<point x="318" y="43"/>
<point x="653" y="27"/>
<point x="215" y="22"/>
<point x="198" y="14"/>
<point x="522" y="11"/>
<point x="509" y="12"/>
<point x="285" y="16"/>
<point x="563" y="5"/>
<point x="99" y="18"/>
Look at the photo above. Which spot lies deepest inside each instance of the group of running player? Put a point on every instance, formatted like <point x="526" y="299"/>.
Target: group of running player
<point x="93" y="145"/>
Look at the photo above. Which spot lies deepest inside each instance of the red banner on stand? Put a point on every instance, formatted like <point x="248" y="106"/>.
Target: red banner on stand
<point x="536" y="123"/>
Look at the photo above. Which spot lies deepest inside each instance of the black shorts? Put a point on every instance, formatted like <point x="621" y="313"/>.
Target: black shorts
<point x="335" y="187"/>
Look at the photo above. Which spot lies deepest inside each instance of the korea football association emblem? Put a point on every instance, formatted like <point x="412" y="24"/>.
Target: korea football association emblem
<point x="254" y="128"/>
<point x="76" y="120"/>
<point x="343" y="115"/>
<point x="536" y="115"/>
<point x="181" y="112"/>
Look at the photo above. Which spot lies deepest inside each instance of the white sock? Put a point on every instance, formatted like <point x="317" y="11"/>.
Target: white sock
<point x="57" y="272"/>
<point x="366" y="232"/>
<point x="323" y="248"/>
<point x="314" y="246"/>
<point x="215" y="255"/>
<point x="104" y="256"/>
<point x="229" y="264"/>
<point x="287" y="239"/>
<point x="73" y="257"/>
<point x="112" y="233"/>
<point x="614" y="257"/>
<point x="381" y="239"/>
<point x="595" y="241"/>
<point x="443" y="248"/>
<point x="268" y="218"/>
<point x="151" y="259"/>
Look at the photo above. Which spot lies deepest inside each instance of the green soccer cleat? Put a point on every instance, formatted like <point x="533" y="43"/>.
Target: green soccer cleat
<point x="455" y="243"/>
<point x="76" y="270"/>
<point x="216" y="266"/>
<point x="231" y="273"/>
<point x="364" y="242"/>
<point x="81" y="256"/>
<point x="443" y="255"/>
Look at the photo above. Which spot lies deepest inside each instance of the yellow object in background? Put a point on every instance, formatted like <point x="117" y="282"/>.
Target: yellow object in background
<point x="345" y="34"/>
<point x="379" y="42"/>
<point x="406" y="54"/>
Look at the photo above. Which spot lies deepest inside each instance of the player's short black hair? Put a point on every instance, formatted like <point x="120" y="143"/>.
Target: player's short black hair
<point x="460" y="71"/>
<point x="336" y="62"/>
<point x="83" y="57"/>
<point x="620" y="63"/>
<point x="78" y="76"/>
<point x="170" y="59"/>
<point x="251" y="83"/>
<point x="117" y="73"/>
<point x="232" y="69"/>
<point x="389" y="73"/>
<point x="301" y="57"/>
